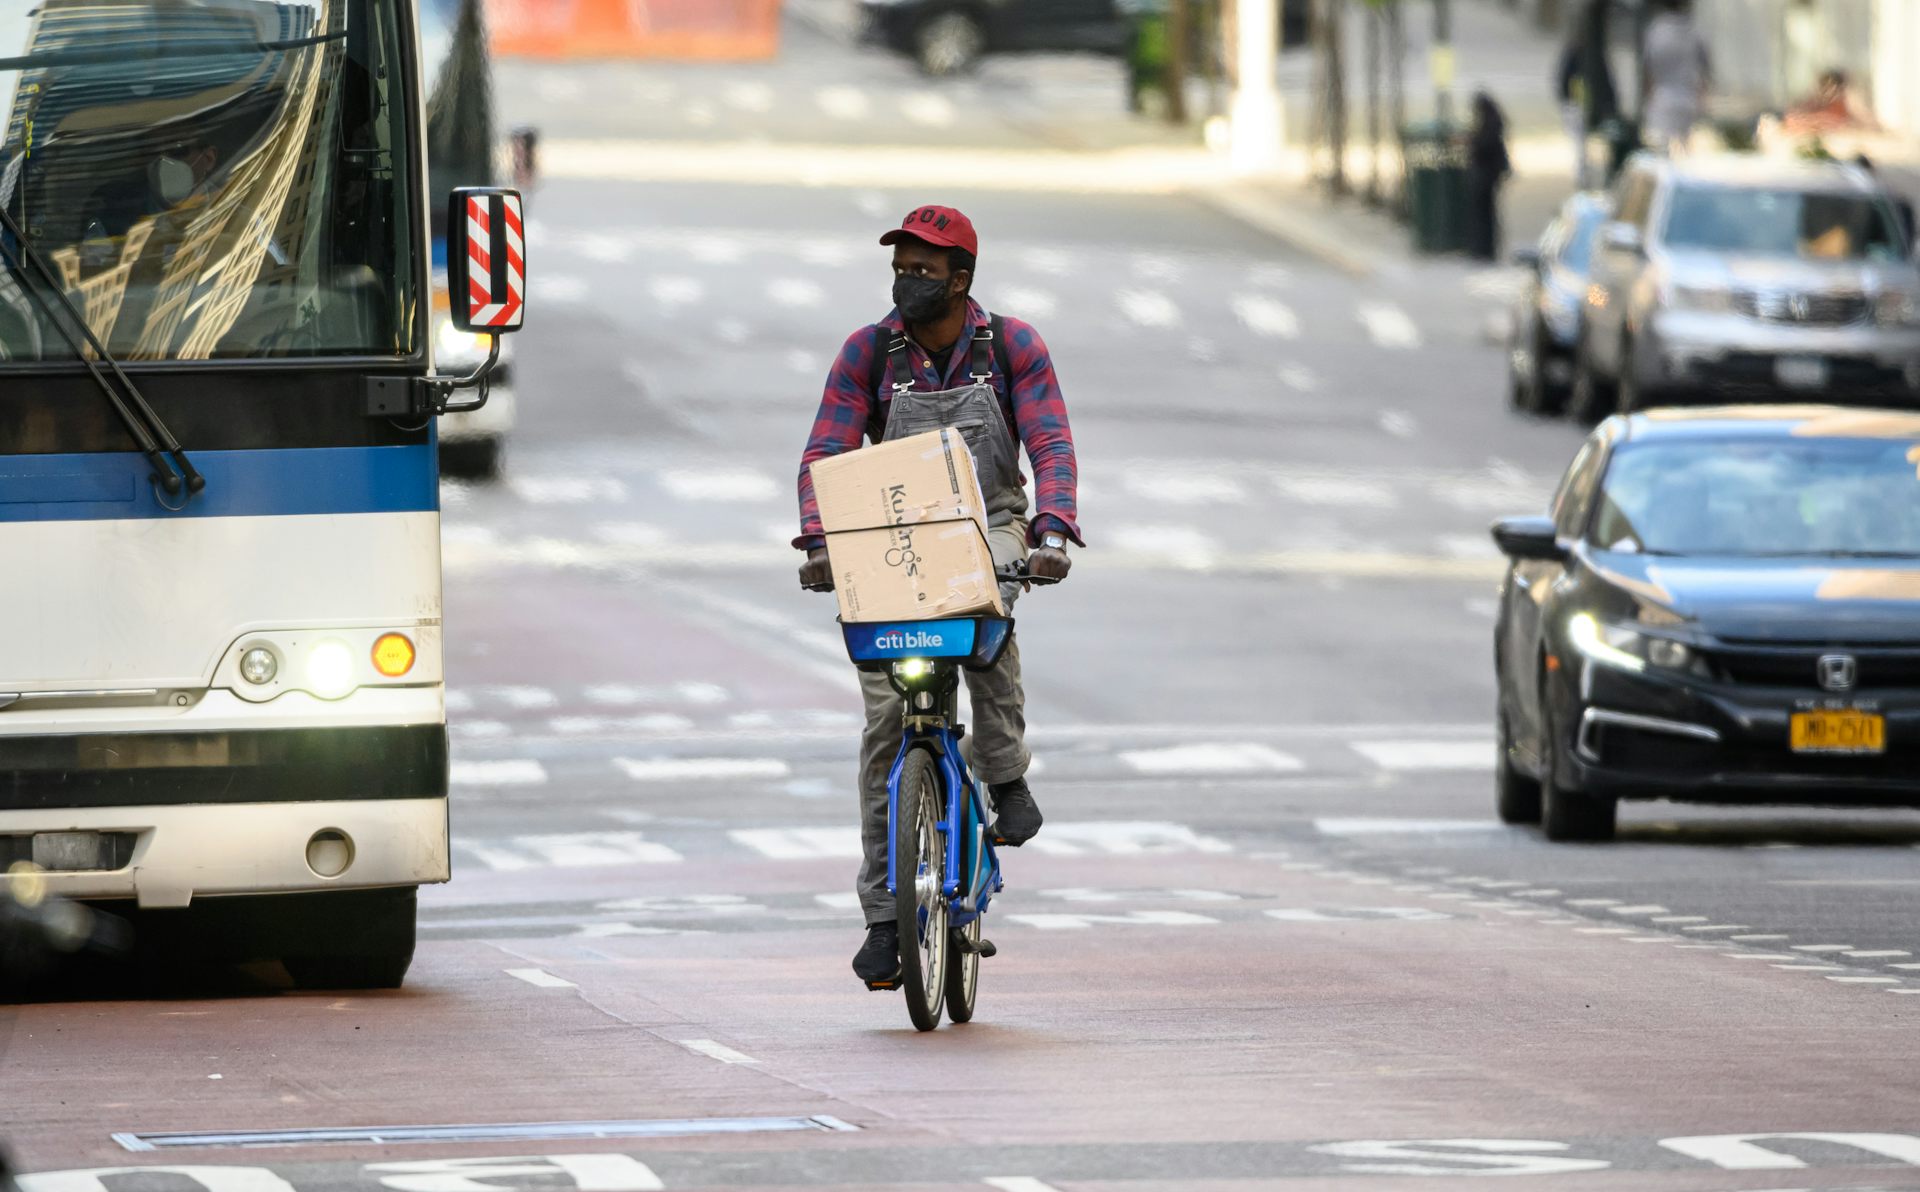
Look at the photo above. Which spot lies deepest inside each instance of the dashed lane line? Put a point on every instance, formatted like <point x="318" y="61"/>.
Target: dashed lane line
<point x="518" y="771"/>
<point x="717" y="1051"/>
<point x="689" y="769"/>
<point x="1018" y="1183"/>
<point x="1428" y="755"/>
<point x="541" y="978"/>
<point x="1225" y="758"/>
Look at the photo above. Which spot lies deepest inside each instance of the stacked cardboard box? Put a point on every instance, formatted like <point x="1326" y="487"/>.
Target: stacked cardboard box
<point x="907" y="530"/>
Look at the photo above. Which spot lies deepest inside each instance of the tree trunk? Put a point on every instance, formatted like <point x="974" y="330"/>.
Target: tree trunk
<point x="1374" y="19"/>
<point x="1179" y="23"/>
<point x="1331" y="45"/>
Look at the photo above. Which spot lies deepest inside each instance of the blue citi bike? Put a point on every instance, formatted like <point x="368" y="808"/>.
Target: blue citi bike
<point x="942" y="869"/>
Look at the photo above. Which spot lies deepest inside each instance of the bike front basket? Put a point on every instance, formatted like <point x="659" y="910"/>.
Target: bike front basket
<point x="974" y="642"/>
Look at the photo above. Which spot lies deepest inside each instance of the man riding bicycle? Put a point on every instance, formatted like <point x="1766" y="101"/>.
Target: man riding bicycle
<point x="915" y="371"/>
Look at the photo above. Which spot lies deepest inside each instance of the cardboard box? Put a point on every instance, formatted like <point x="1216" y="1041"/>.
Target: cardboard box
<point x="906" y="530"/>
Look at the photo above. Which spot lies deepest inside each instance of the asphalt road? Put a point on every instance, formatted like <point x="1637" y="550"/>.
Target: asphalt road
<point x="1272" y="936"/>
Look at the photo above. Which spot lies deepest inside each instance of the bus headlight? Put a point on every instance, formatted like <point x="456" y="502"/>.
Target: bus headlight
<point x="330" y="670"/>
<point x="258" y="666"/>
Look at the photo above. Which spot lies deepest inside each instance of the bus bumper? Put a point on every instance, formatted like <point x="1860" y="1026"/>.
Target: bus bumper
<point x="181" y="852"/>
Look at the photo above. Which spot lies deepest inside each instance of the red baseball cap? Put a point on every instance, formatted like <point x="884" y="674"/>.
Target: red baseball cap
<point x="941" y="226"/>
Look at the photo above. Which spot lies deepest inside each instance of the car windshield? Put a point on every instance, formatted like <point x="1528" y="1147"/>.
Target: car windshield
<point x="1578" y="252"/>
<point x="1786" y="496"/>
<point x="1783" y="223"/>
<point x="206" y="178"/>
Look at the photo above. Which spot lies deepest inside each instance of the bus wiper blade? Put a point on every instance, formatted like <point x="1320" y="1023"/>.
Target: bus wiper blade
<point x="150" y="434"/>
<point x="146" y="51"/>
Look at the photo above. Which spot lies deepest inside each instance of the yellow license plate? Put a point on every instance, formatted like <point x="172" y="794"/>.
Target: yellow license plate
<point x="1839" y="732"/>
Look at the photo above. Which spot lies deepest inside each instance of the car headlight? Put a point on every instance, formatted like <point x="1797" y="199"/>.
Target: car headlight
<point x="1626" y="647"/>
<point x="1701" y="299"/>
<point x="1896" y="309"/>
<point x="457" y="344"/>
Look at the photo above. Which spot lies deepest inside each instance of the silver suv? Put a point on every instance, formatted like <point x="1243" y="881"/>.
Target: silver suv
<point x="1749" y="276"/>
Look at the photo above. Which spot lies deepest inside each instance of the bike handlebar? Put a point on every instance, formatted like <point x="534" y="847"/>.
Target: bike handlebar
<point x="1015" y="574"/>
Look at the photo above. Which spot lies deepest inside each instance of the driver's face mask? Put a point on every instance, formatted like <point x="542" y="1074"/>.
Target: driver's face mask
<point x="172" y="179"/>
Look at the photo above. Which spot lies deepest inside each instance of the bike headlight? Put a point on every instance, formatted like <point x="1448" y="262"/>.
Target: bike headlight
<point x="1896" y="309"/>
<point x="1715" y="300"/>
<point x="912" y="668"/>
<point x="1626" y="647"/>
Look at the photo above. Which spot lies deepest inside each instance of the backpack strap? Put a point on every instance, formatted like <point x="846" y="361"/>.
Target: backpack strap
<point x="887" y="362"/>
<point x="981" y="352"/>
<point x="1001" y="360"/>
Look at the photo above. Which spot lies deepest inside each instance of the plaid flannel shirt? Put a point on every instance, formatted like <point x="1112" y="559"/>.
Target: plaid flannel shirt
<point x="1034" y="409"/>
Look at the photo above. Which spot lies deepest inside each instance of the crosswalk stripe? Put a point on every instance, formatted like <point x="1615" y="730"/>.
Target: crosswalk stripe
<point x="800" y="844"/>
<point x="1266" y="316"/>
<point x="1149" y="308"/>
<point x="575" y="850"/>
<point x="680" y="769"/>
<point x="1389" y="326"/>
<point x="1427" y="755"/>
<point x="519" y="771"/>
<point x="1223" y="758"/>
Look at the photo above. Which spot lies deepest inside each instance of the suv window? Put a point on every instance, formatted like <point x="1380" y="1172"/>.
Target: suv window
<point x="1636" y="199"/>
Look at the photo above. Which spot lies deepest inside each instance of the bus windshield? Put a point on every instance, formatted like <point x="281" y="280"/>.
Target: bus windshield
<point x="208" y="179"/>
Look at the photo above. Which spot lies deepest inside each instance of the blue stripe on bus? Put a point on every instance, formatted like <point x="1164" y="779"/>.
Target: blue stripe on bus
<point x="277" y="482"/>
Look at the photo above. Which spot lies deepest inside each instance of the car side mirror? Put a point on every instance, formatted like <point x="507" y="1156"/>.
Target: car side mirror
<point x="1529" y="538"/>
<point x="1528" y="258"/>
<point x="486" y="259"/>
<point x="1621" y="236"/>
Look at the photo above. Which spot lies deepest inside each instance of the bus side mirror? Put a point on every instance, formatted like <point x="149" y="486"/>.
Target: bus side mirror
<point x="486" y="259"/>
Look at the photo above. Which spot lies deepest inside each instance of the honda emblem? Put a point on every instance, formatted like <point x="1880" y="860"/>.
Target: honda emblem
<point x="1837" y="672"/>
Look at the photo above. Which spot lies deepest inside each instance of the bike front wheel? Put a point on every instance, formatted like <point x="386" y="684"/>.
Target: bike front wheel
<point x="920" y="897"/>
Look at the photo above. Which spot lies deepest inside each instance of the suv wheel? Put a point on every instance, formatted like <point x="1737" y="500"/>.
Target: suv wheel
<point x="949" y="43"/>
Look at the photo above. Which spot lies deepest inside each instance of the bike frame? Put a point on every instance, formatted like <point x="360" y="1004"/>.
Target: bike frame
<point x="973" y="867"/>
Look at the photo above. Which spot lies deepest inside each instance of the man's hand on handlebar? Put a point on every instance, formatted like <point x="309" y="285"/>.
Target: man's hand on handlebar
<point x="816" y="574"/>
<point x="1049" y="564"/>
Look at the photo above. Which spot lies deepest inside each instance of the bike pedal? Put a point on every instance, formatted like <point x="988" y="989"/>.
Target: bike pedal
<point x="987" y="949"/>
<point x="883" y="986"/>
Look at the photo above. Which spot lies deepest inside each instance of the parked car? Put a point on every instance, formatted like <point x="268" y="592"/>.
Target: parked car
<point x="1749" y="277"/>
<point x="1546" y="322"/>
<point x="1722" y="605"/>
<point x="950" y="36"/>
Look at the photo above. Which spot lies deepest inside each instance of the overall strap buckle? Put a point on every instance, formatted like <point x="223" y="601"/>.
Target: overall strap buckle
<point x="980" y="363"/>
<point x="899" y="376"/>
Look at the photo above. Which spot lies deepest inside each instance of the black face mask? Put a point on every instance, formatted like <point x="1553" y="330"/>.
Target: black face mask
<point x="920" y="299"/>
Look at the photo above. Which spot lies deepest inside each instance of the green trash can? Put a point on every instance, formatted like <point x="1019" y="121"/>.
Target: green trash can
<point x="1436" y="187"/>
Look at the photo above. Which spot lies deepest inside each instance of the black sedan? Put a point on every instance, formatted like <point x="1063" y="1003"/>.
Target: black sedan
<point x="1546" y="323"/>
<point x="1723" y="605"/>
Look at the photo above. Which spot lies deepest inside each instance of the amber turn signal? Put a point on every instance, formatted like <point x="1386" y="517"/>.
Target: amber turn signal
<point x="392" y="655"/>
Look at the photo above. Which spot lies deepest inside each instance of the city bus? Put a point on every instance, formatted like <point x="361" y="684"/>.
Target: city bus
<point x="221" y="696"/>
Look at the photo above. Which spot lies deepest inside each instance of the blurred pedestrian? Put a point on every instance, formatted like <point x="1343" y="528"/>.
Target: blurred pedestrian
<point x="1588" y="100"/>
<point x="1487" y="169"/>
<point x="1832" y="107"/>
<point x="1674" y="76"/>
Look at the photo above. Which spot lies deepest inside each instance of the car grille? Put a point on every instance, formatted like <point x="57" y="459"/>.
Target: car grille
<point x="1799" y="666"/>
<point x="1831" y="309"/>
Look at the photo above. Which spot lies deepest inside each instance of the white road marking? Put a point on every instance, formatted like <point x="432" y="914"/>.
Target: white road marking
<point x="1604" y="930"/>
<point x="1300" y="377"/>
<point x="1755" y="939"/>
<point x="1875" y="955"/>
<point x="843" y="103"/>
<point x="796" y="292"/>
<point x="1084" y="894"/>
<point x="719" y="484"/>
<point x="573" y="850"/>
<point x="801" y="844"/>
<point x="518" y="771"/>
<point x="1428" y="755"/>
<point x="1244" y="758"/>
<point x="1363" y="825"/>
<point x="1822" y="947"/>
<point x="1027" y="302"/>
<point x="1123" y="838"/>
<point x="1866" y="980"/>
<point x="715" y="250"/>
<point x="1068" y="922"/>
<point x="1149" y="308"/>
<point x="540" y="977"/>
<point x="459" y="700"/>
<point x="1648" y="909"/>
<point x="1388" y="325"/>
<point x="1756" y="956"/>
<point x="609" y="726"/>
<point x="1266" y="316"/>
<point x="1358" y="914"/>
<point x="1717" y="927"/>
<point x="1648" y="939"/>
<point x="479" y="730"/>
<point x="685" y="769"/>
<point x="712" y="1050"/>
<point x="558" y="288"/>
<point x="802" y="361"/>
<point x="1809" y="968"/>
<point x="670" y="291"/>
<point x="845" y="900"/>
<point x="1593" y="902"/>
<point x="1018" y="1183"/>
<point x="524" y="698"/>
<point x="1536" y="893"/>
<point x="929" y="110"/>
<point x="1186" y="488"/>
<point x="1346" y="491"/>
<point x="567" y="490"/>
<point x="749" y="97"/>
<point x="1183" y="545"/>
<point x="1679" y="919"/>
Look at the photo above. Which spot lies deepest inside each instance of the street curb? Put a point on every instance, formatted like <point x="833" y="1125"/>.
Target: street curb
<point x="1299" y="230"/>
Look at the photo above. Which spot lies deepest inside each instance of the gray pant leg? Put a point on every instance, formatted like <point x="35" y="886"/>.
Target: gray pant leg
<point x="996" y="740"/>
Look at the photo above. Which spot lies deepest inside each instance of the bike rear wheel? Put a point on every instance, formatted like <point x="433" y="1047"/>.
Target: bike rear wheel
<point x="920" y="898"/>
<point x="963" y="971"/>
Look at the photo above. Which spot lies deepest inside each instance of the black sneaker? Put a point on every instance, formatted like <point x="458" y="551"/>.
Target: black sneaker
<point x="1017" y="817"/>
<point x="878" y="960"/>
